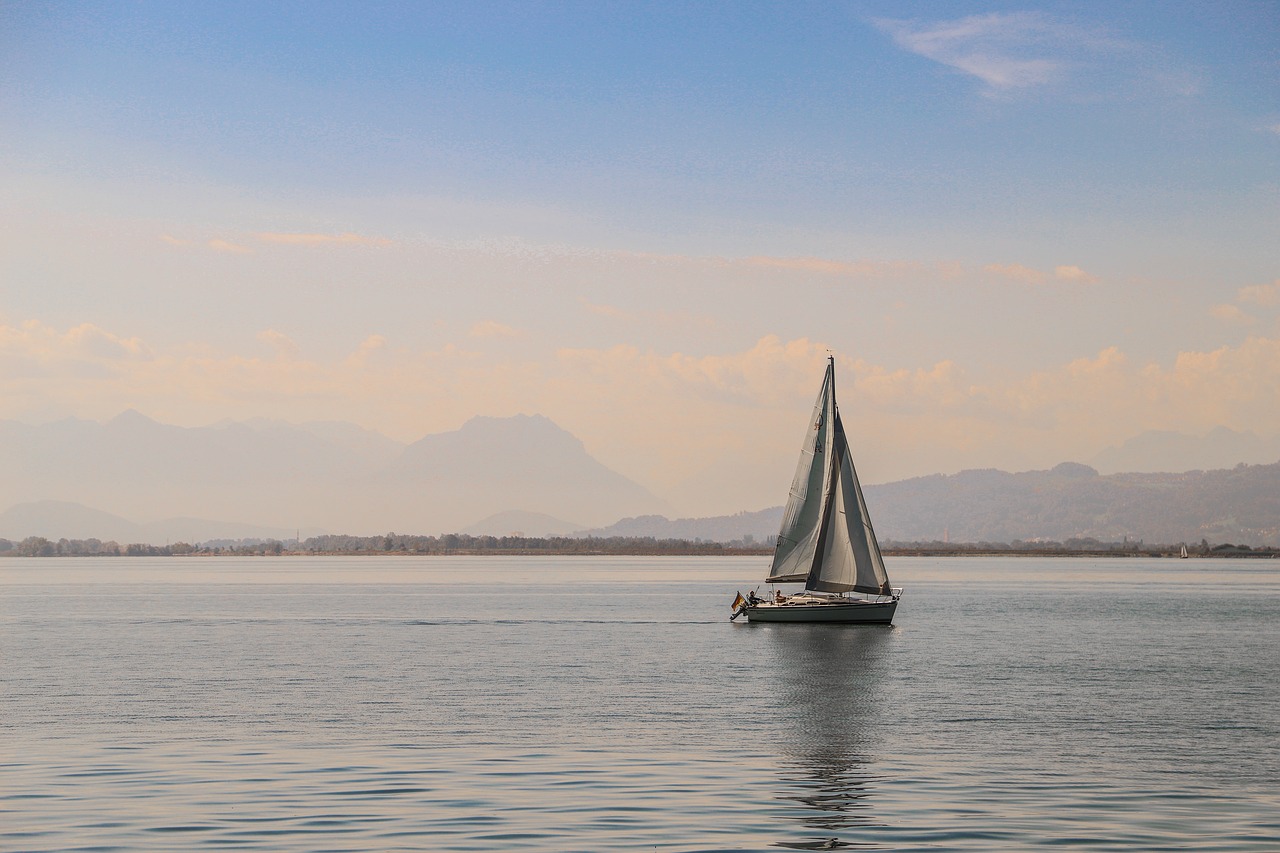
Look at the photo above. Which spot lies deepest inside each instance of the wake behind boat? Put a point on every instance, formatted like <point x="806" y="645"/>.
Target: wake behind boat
<point x="826" y="541"/>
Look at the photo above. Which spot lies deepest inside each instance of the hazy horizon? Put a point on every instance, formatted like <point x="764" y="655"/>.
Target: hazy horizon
<point x="1027" y="235"/>
<point x="135" y="479"/>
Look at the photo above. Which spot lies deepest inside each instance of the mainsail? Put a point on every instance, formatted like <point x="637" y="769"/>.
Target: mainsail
<point x="826" y="540"/>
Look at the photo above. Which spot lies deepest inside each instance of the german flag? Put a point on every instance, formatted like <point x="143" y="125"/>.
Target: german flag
<point x="738" y="602"/>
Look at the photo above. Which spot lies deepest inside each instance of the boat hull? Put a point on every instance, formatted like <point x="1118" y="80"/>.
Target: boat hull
<point x="844" y="612"/>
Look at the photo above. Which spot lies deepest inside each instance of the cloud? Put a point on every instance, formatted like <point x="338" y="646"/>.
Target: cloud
<point x="89" y="340"/>
<point x="230" y="248"/>
<point x="603" y="310"/>
<point x="283" y="345"/>
<point x="344" y="239"/>
<point x="825" y="266"/>
<point x="1028" y="275"/>
<point x="771" y="373"/>
<point x="1073" y="273"/>
<point x="999" y="49"/>
<point x="682" y="422"/>
<point x="35" y="343"/>
<point x="493" y="329"/>
<point x="1016" y="272"/>
<point x="1012" y="52"/>
<point x="1261" y="294"/>
<point x="688" y="414"/>
<point x="1232" y="314"/>
<point x="367" y="349"/>
<point x="174" y="241"/>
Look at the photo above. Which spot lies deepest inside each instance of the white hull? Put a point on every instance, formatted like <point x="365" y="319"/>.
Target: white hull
<point x="844" y="611"/>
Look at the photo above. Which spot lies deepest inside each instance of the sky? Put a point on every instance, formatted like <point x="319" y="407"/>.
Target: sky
<point x="1025" y="232"/>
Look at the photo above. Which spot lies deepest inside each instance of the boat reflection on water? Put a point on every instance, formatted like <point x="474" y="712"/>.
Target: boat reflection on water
<point x="830" y="717"/>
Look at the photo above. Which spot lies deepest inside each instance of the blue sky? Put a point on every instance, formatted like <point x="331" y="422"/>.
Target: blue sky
<point x="1009" y="221"/>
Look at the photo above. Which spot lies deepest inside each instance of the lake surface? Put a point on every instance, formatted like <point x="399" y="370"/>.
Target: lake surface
<point x="572" y="703"/>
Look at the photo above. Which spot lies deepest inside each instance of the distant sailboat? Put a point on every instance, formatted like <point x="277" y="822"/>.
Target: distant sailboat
<point x="1183" y="555"/>
<point x="826" y="542"/>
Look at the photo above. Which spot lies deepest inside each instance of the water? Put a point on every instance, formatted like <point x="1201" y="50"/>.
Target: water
<point x="607" y="704"/>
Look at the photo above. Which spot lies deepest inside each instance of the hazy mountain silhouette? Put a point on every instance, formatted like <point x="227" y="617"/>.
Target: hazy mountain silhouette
<point x="63" y="519"/>
<point x="1240" y="505"/>
<point x="759" y="525"/>
<point x="273" y="476"/>
<point x="329" y="476"/>
<point x="519" y="522"/>
<point x="490" y="465"/>
<point x="1160" y="451"/>
<point x="66" y="520"/>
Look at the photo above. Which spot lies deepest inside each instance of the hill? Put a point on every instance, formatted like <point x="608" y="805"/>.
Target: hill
<point x="757" y="526"/>
<point x="520" y="523"/>
<point x="1240" y="505"/>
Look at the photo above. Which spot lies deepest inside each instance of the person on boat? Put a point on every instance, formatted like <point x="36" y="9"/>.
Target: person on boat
<point x="779" y="597"/>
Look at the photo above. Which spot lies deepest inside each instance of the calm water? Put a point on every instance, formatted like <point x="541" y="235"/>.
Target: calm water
<point x="608" y="704"/>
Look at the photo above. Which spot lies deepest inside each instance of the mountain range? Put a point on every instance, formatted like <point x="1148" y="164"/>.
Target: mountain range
<point x="1240" y="505"/>
<point x="135" y="479"/>
<point x="325" y="476"/>
<point x="1164" y="451"/>
<point x="62" y="519"/>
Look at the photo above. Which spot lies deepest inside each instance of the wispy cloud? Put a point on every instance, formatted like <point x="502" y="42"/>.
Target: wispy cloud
<point x="1003" y="50"/>
<point x="603" y="310"/>
<point x="229" y="247"/>
<point x="344" y="239"/>
<point x="1074" y="273"/>
<point x="1029" y="275"/>
<point x="1021" y="51"/>
<point x="284" y="346"/>
<point x="827" y="266"/>
<point x="1232" y="314"/>
<point x="493" y="329"/>
<point x="680" y="420"/>
<point x="34" y="349"/>
<point x="1016" y="272"/>
<point x="1261" y="294"/>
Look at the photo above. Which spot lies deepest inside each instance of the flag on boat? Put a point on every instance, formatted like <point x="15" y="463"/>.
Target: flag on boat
<point x="738" y="602"/>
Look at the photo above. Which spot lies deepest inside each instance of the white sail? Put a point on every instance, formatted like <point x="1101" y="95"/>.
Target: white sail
<point x="849" y="559"/>
<point x="802" y="519"/>
<point x="827" y="541"/>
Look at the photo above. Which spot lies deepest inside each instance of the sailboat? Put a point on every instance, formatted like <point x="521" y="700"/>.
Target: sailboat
<point x="826" y="541"/>
<point x="1183" y="553"/>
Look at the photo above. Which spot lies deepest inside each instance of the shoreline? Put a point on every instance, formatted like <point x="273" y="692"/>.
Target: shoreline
<point x="705" y="551"/>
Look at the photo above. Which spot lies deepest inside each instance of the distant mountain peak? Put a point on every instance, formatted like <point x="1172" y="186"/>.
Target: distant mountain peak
<point x="533" y="431"/>
<point x="515" y="425"/>
<point x="523" y="523"/>
<point x="1074" y="469"/>
<point x="479" y="420"/>
<point x="132" y="418"/>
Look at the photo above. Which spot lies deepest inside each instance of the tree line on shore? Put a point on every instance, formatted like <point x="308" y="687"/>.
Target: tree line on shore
<point x="460" y="543"/>
<point x="390" y="543"/>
